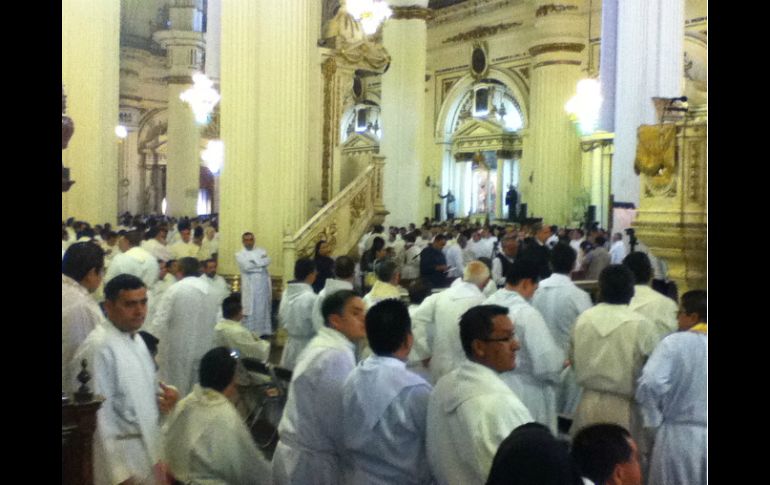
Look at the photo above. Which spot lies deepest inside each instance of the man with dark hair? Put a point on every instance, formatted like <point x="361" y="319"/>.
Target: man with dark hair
<point x="344" y="274"/>
<point x="540" y="360"/>
<point x="471" y="410"/>
<point x="134" y="260"/>
<point x="607" y="455"/>
<point x="672" y="394"/>
<point x="217" y="284"/>
<point x="295" y="312"/>
<point x="155" y="243"/>
<point x="230" y="333"/>
<point x="127" y="442"/>
<point x="503" y="260"/>
<point x="386" y="286"/>
<point x="82" y="269"/>
<point x="310" y="445"/>
<point x="659" y="309"/>
<point x="617" y="249"/>
<point x="596" y="259"/>
<point x="256" y="287"/>
<point x="184" y="322"/>
<point x="433" y="263"/>
<point x="534" y="249"/>
<point x="385" y="405"/>
<point x="206" y="440"/>
<point x="184" y="248"/>
<point x="609" y="345"/>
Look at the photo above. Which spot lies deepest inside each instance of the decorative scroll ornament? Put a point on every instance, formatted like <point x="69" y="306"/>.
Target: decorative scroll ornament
<point x="358" y="205"/>
<point x="656" y="156"/>
<point x="482" y="31"/>
<point x="553" y="8"/>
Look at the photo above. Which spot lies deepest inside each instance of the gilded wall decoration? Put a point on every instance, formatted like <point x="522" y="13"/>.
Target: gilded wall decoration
<point x="656" y="159"/>
<point x="694" y="170"/>
<point x="358" y="205"/>
<point x="329" y="69"/>
<point x="553" y="8"/>
<point x="407" y="13"/>
<point x="482" y="31"/>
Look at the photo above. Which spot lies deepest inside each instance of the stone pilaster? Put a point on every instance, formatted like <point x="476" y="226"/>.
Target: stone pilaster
<point x="403" y="102"/>
<point x="90" y="74"/>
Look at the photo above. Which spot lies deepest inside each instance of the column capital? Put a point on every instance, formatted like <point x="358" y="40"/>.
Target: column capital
<point x="179" y="38"/>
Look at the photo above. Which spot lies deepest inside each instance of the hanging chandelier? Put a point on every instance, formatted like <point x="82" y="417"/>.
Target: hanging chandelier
<point x="371" y="13"/>
<point x="202" y="97"/>
<point x="586" y="105"/>
<point x="214" y="155"/>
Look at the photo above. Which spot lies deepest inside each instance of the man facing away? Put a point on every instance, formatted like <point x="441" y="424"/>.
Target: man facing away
<point x="310" y="430"/>
<point x="232" y="334"/>
<point x="344" y="274"/>
<point x="672" y="394"/>
<point x="617" y="249"/>
<point x="206" y="440"/>
<point x="256" y="288"/>
<point x="471" y="410"/>
<point x="134" y="260"/>
<point x="386" y="286"/>
<point x="295" y="312"/>
<point x="658" y="308"/>
<point x="540" y="360"/>
<point x="607" y="455"/>
<point x="385" y="405"/>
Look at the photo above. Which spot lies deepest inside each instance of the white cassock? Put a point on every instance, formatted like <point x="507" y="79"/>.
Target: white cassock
<point x="560" y="302"/>
<point x="158" y="249"/>
<point x="385" y="409"/>
<point x="609" y="345"/>
<point x="617" y="252"/>
<point x="672" y="395"/>
<point x="381" y="291"/>
<point x="127" y="441"/>
<point x="233" y="335"/>
<point x="659" y="309"/>
<point x="411" y="268"/>
<point x="539" y="361"/>
<point x="497" y="270"/>
<point x="207" y="442"/>
<point x="295" y="314"/>
<point x="155" y="295"/>
<point x="310" y="445"/>
<point x="256" y="289"/>
<point x="136" y="261"/>
<point x="331" y="286"/>
<point x="454" y="259"/>
<point x="470" y="412"/>
<point x="184" y="324"/>
<point x="183" y="249"/>
<point x="219" y="288"/>
<point x="80" y="314"/>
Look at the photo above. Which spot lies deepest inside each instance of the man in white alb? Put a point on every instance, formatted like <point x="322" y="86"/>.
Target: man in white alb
<point x="256" y="288"/>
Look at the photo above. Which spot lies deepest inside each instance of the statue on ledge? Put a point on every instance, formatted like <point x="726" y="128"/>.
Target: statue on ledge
<point x="67" y="130"/>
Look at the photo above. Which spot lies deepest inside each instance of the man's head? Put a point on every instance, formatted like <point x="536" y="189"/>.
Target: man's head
<point x="510" y="246"/>
<point x="188" y="266"/>
<point x="563" y="258"/>
<point x="462" y="241"/>
<point x="129" y="240"/>
<point x="541" y="231"/>
<point x="184" y="231"/>
<point x="84" y="263"/>
<point x="616" y="285"/>
<point x="110" y="237"/>
<point x="344" y="267"/>
<point x="640" y="267"/>
<point x="210" y="268"/>
<point x="439" y="241"/>
<point x="344" y="311"/>
<point x="217" y="371"/>
<point x="617" y="237"/>
<point x="232" y="308"/>
<point x="126" y="302"/>
<point x="523" y="277"/>
<point x="477" y="273"/>
<point x="198" y="235"/>
<point x="389" y="329"/>
<point x="607" y="455"/>
<point x="419" y="290"/>
<point x="488" y="337"/>
<point x="305" y="270"/>
<point x="599" y="241"/>
<point x="693" y="309"/>
<point x="323" y="248"/>
<point x="248" y="240"/>
<point x="387" y="272"/>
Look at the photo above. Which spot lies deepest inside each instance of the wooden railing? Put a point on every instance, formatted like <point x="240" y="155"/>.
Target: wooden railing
<point x="343" y="220"/>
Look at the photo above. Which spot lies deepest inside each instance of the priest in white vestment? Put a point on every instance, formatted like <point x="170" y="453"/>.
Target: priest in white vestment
<point x="386" y="286"/>
<point x="217" y="284"/>
<point x="134" y="260"/>
<point x="454" y="257"/>
<point x="184" y="323"/>
<point x="256" y="288"/>
<point x="673" y="395"/>
<point x="231" y="333"/>
<point x="658" y="308"/>
<point x="540" y="360"/>
<point x="311" y="445"/>
<point x="205" y="439"/>
<point x="184" y="248"/>
<point x="385" y="405"/>
<point x="295" y="313"/>
<point x="344" y="274"/>
<point x="156" y="244"/>
<point x="471" y="410"/>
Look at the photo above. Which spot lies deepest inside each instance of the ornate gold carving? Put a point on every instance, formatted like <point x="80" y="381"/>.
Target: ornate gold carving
<point x="693" y="170"/>
<point x="551" y="8"/>
<point x="553" y="63"/>
<point x="358" y="205"/>
<point x="556" y="47"/>
<point x="656" y="159"/>
<point x="329" y="69"/>
<point x="482" y="31"/>
<point x="414" y="12"/>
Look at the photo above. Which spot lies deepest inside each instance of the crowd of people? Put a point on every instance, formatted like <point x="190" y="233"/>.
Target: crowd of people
<point x="449" y="354"/>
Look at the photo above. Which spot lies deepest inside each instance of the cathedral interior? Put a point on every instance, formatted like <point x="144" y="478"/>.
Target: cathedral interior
<point x="331" y="115"/>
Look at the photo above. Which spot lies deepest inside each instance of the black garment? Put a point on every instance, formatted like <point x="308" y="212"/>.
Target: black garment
<point x="533" y="251"/>
<point x="325" y="267"/>
<point x="431" y="257"/>
<point x="507" y="265"/>
<point x="511" y="199"/>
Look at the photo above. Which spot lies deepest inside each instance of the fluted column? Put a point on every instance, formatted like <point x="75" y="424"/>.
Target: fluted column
<point x="551" y="173"/>
<point x="266" y="64"/>
<point x="403" y="101"/>
<point x="90" y="74"/>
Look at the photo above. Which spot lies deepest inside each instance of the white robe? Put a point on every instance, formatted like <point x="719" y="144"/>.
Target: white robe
<point x="184" y="323"/>
<point x="207" y="442"/>
<point x="183" y="249"/>
<point x="256" y="290"/>
<point x="617" y="252"/>
<point x="497" y="270"/>
<point x="659" y="309"/>
<point x="454" y="259"/>
<point x="381" y="291"/>
<point x="218" y="287"/>
<point x="233" y="335"/>
<point x="80" y="314"/>
<point x="673" y="394"/>
<point x="158" y="249"/>
<point x="136" y="261"/>
<point x="331" y="286"/>
<point x="295" y="314"/>
<point x="539" y="361"/>
<point x="311" y="427"/>
<point x="470" y="412"/>
<point x="127" y="441"/>
<point x="385" y="409"/>
<point x="411" y="268"/>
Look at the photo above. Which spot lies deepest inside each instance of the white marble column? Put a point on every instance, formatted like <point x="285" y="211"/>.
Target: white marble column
<point x="551" y="172"/>
<point x="403" y="102"/>
<point x="266" y="64"/>
<point x="90" y="74"/>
